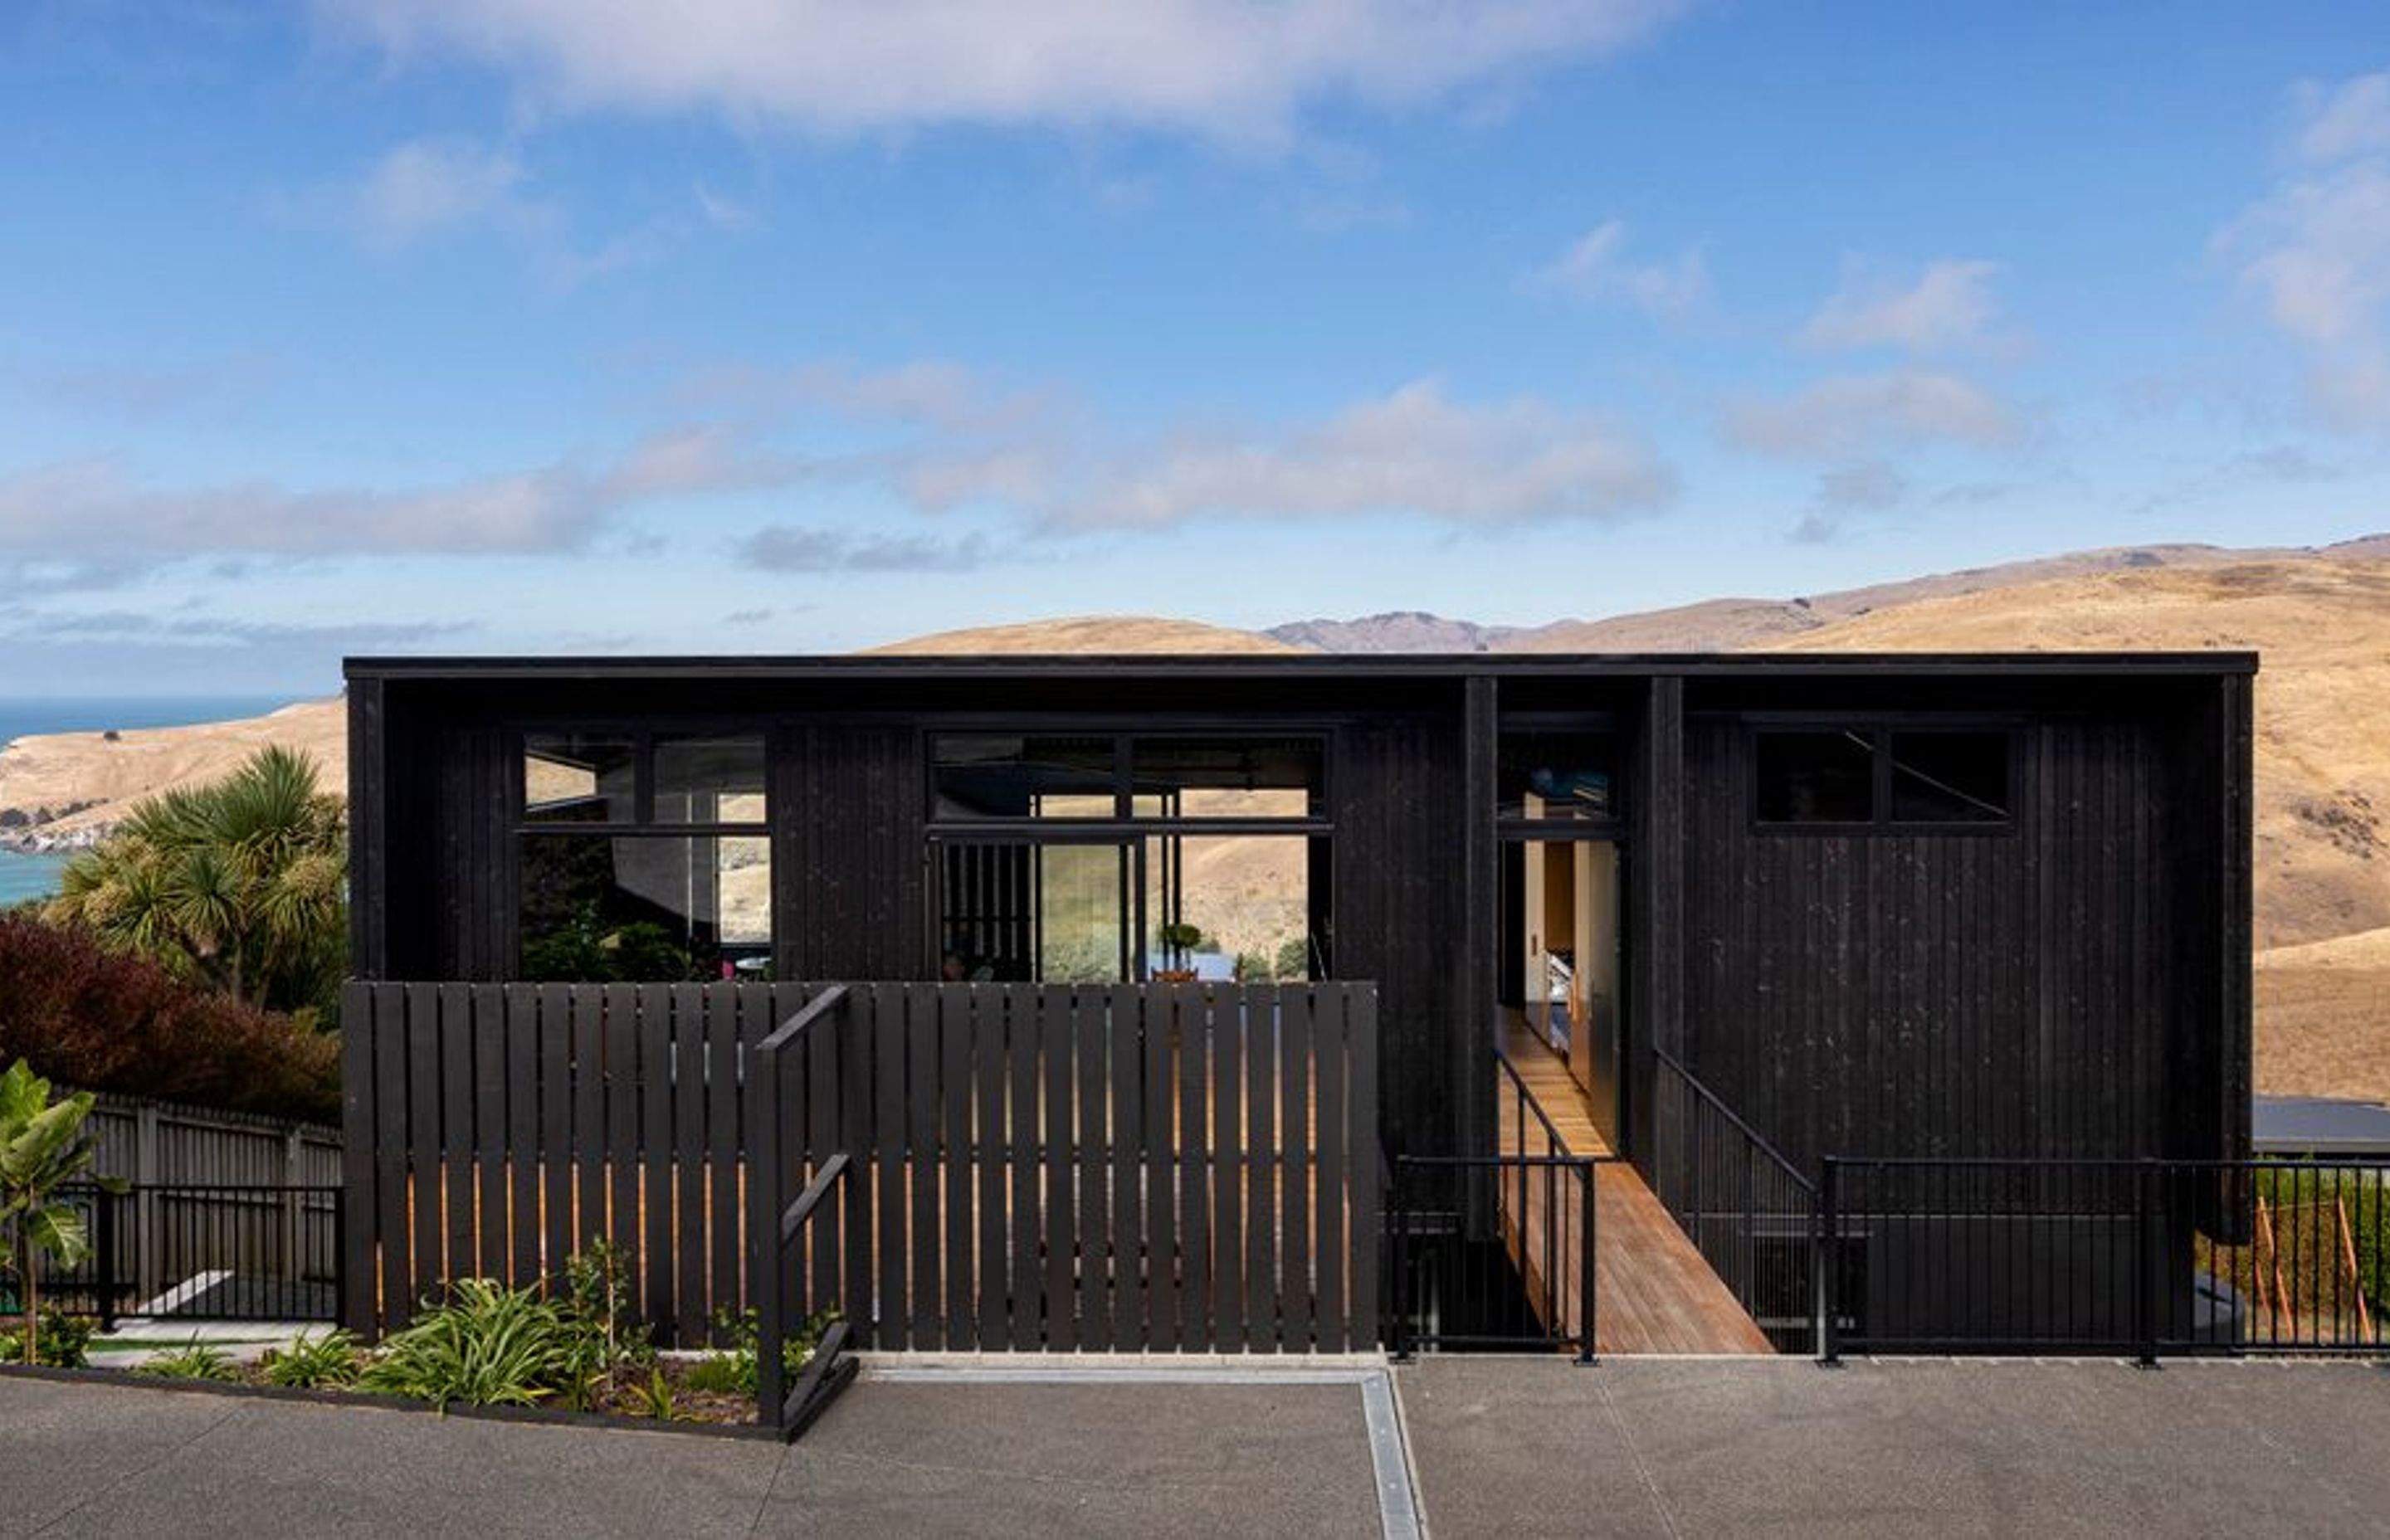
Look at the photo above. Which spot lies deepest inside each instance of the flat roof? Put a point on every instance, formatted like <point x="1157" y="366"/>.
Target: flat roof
<point x="2317" y="1125"/>
<point x="1312" y="664"/>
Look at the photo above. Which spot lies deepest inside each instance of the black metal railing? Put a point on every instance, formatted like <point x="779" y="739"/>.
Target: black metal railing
<point x="1751" y="1213"/>
<point x="200" y="1252"/>
<point x="1493" y="1252"/>
<point x="811" y="1252"/>
<point x="2142" y="1256"/>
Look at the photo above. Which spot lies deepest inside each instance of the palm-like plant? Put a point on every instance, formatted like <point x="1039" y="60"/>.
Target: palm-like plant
<point x="44" y="1146"/>
<point x="241" y="884"/>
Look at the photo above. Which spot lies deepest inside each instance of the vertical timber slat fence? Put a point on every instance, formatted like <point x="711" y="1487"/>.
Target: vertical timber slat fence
<point x="1046" y="1167"/>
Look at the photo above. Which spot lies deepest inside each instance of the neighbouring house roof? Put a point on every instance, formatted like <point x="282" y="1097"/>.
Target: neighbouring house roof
<point x="2319" y="1126"/>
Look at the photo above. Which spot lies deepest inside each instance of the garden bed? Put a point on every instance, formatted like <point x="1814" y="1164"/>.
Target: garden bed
<point x="704" y="1413"/>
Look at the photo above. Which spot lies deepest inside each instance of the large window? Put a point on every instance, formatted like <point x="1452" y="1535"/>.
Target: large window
<point x="1075" y="857"/>
<point x="1876" y="775"/>
<point x="643" y="857"/>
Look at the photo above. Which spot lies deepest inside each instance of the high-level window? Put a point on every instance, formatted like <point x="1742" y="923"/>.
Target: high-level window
<point x="643" y="857"/>
<point x="1555" y="770"/>
<point x="1871" y="774"/>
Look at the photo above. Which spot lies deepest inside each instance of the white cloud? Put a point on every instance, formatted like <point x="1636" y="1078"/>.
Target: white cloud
<point x="1223" y="69"/>
<point x="1595" y="269"/>
<point x="1871" y="414"/>
<point x="430" y="187"/>
<point x="2349" y="119"/>
<point x="1948" y="306"/>
<point x="2315" y="251"/>
<point x="1412" y="452"/>
<point x="925" y="393"/>
<point x="797" y="548"/>
<point x="97" y="511"/>
<point x="1869" y="487"/>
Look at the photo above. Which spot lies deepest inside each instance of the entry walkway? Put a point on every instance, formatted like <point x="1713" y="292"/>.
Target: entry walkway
<point x="1652" y="1291"/>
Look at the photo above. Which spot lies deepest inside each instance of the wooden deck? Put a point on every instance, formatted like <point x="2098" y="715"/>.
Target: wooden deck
<point x="1653" y="1293"/>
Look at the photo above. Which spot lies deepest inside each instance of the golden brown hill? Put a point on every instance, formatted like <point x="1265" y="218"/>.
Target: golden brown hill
<point x="2323" y="626"/>
<point x="1088" y="634"/>
<point x="2323" y="1018"/>
<point x="67" y="785"/>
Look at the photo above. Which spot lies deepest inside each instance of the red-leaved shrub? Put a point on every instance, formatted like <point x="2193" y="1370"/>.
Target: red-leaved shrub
<point x="99" y="1020"/>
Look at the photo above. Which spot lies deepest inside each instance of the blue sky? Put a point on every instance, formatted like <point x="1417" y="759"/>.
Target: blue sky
<point x="743" y="326"/>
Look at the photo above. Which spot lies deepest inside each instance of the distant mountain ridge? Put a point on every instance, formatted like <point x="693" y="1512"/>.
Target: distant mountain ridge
<point x="1747" y="624"/>
<point x="1395" y="631"/>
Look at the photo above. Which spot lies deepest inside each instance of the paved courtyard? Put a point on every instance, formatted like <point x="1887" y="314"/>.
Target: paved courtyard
<point x="1632" y="1447"/>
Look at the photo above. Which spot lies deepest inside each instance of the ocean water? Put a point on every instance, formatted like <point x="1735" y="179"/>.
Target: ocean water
<point x="23" y="877"/>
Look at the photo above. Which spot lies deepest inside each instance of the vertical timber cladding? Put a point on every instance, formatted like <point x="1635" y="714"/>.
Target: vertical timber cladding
<point x="1976" y="993"/>
<point x="850" y="861"/>
<point x="1402" y="918"/>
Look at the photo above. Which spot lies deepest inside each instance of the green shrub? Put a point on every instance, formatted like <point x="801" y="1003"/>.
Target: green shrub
<point x="332" y="1361"/>
<point x="733" y="1368"/>
<point x="652" y="1398"/>
<point x="721" y="1373"/>
<point x="65" y="1341"/>
<point x="194" y="1360"/>
<point x="91" y="1017"/>
<point x="489" y="1345"/>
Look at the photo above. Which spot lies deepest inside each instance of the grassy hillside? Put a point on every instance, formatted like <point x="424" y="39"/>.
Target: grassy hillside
<point x="2323" y="626"/>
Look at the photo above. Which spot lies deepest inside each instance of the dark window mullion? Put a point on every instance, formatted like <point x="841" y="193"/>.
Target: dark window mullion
<point x="643" y="779"/>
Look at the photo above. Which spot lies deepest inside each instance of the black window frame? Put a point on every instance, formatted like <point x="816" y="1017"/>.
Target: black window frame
<point x="1610" y="724"/>
<point x="1879" y="729"/>
<point x="644" y="824"/>
<point x="1124" y="820"/>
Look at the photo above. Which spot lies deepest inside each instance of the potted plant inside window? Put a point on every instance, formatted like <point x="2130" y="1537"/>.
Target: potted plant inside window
<point x="1176" y="942"/>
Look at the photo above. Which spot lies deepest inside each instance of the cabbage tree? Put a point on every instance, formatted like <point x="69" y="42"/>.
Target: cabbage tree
<point x="241" y="884"/>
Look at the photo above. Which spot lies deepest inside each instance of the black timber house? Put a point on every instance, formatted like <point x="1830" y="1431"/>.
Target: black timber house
<point x="1884" y="907"/>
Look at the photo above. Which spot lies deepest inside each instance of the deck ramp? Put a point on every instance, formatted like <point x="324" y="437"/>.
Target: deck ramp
<point x="1653" y="1293"/>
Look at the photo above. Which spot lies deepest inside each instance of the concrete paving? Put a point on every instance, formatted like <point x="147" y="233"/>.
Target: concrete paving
<point x="1670" y="1447"/>
<point x="890" y="1459"/>
<point x="1656" y="1447"/>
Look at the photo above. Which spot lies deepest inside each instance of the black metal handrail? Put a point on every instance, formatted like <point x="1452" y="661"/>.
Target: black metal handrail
<point x="1759" y="1142"/>
<point x="1751" y="1213"/>
<point x="1527" y="1102"/>
<point x="778" y="1224"/>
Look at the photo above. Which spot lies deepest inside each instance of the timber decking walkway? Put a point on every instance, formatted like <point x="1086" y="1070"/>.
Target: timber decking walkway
<point x="1652" y="1291"/>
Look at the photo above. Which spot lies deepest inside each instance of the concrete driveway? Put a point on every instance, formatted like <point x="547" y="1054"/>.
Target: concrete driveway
<point x="893" y="1458"/>
<point x="1506" y="1447"/>
<point x="1667" y="1447"/>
